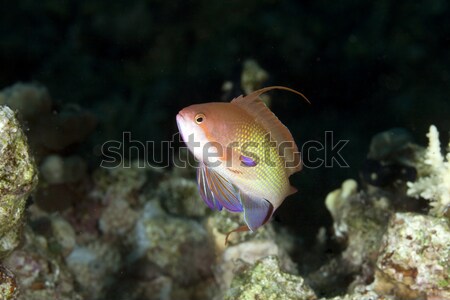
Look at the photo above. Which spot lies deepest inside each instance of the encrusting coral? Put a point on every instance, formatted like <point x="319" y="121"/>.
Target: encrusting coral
<point x="433" y="181"/>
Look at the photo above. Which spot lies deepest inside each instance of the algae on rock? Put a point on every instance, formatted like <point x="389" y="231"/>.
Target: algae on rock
<point x="414" y="259"/>
<point x="265" y="280"/>
<point x="18" y="177"/>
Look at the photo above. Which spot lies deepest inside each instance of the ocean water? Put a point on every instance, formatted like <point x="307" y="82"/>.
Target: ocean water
<point x="118" y="73"/>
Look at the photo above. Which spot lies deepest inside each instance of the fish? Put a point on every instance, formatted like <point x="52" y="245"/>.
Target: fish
<point x="245" y="154"/>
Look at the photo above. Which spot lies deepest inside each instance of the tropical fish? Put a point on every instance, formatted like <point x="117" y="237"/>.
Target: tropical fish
<point x="245" y="155"/>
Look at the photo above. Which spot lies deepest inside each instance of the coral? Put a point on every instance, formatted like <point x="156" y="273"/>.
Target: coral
<point x="265" y="280"/>
<point x="56" y="169"/>
<point x="118" y="218"/>
<point x="220" y="223"/>
<point x="168" y="238"/>
<point x="170" y="258"/>
<point x="336" y="201"/>
<point x="52" y="129"/>
<point x="55" y="130"/>
<point x="94" y="266"/>
<point x="8" y="284"/>
<point x="433" y="183"/>
<point x="59" y="232"/>
<point x="244" y="248"/>
<point x="391" y="159"/>
<point x="414" y="258"/>
<point x="360" y="219"/>
<point x="119" y="182"/>
<point x="40" y="272"/>
<point x="63" y="236"/>
<point x="253" y="76"/>
<point x="385" y="145"/>
<point x="18" y="177"/>
<point x="117" y="190"/>
<point x="363" y="293"/>
<point x="160" y="288"/>
<point x="30" y="100"/>
<point x="180" y="196"/>
<point x="248" y="253"/>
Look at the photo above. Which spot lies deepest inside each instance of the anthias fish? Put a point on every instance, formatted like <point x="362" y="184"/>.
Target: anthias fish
<point x="245" y="155"/>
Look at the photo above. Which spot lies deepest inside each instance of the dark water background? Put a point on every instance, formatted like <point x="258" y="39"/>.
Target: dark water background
<point x="366" y="66"/>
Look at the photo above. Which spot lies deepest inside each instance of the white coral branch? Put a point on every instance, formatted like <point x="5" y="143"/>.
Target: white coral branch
<point x="434" y="183"/>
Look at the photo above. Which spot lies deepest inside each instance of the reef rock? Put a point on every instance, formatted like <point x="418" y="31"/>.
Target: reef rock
<point x="414" y="260"/>
<point x="18" y="177"/>
<point x="30" y="100"/>
<point x="359" y="220"/>
<point x="52" y="128"/>
<point x="180" y="196"/>
<point x="265" y="280"/>
<point x="94" y="266"/>
<point x="56" y="169"/>
<point x="8" y="284"/>
<point x="39" y="271"/>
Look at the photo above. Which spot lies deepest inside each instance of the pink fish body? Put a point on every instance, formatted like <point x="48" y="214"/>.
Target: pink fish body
<point x="246" y="155"/>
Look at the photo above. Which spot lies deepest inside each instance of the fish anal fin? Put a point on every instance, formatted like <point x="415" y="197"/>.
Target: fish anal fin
<point x="257" y="211"/>
<point x="279" y="133"/>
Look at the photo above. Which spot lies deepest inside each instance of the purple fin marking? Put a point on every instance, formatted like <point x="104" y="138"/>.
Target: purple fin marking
<point x="256" y="211"/>
<point x="247" y="161"/>
<point x="217" y="191"/>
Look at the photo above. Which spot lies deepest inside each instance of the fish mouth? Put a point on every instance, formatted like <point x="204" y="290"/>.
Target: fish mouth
<point x="181" y="123"/>
<point x="180" y="120"/>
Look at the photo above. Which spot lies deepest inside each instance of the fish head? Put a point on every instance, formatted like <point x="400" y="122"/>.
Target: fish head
<point x="201" y="125"/>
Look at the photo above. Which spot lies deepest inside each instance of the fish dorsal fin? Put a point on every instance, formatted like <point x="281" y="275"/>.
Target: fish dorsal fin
<point x="253" y="105"/>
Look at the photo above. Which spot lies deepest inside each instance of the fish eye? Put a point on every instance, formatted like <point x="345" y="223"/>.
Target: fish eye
<point x="199" y="118"/>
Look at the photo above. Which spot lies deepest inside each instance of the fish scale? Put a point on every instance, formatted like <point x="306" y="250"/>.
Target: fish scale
<point x="265" y="179"/>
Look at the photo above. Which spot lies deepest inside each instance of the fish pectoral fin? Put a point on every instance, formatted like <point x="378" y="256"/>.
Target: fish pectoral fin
<point x="239" y="229"/>
<point x="203" y="188"/>
<point x="217" y="191"/>
<point x="257" y="211"/>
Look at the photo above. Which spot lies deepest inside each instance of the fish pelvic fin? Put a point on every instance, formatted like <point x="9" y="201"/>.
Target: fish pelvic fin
<point x="239" y="229"/>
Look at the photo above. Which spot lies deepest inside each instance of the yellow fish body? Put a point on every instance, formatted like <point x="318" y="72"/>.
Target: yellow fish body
<point x="246" y="155"/>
